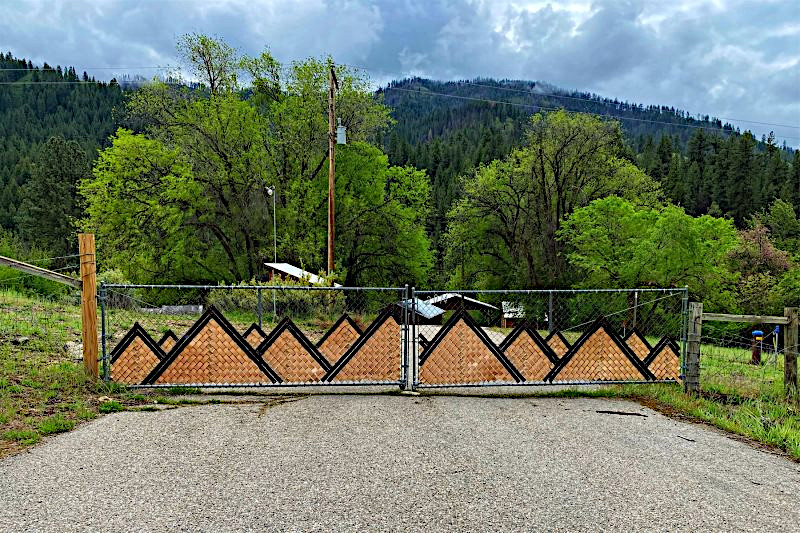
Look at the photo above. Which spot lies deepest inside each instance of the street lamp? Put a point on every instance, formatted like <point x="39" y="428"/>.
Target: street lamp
<point x="271" y="192"/>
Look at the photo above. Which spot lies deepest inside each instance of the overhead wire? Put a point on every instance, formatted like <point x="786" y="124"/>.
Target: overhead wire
<point x="537" y="106"/>
<point x="6" y="280"/>
<point x="578" y="98"/>
<point x="444" y="95"/>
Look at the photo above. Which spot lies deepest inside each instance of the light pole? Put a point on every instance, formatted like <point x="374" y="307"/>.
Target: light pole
<point x="271" y="192"/>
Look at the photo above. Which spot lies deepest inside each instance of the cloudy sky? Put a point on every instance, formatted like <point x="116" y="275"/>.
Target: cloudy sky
<point x="732" y="59"/>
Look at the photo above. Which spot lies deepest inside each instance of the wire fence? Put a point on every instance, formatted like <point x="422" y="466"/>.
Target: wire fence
<point x="549" y="336"/>
<point x="42" y="323"/>
<point x="299" y="333"/>
<point x="738" y="364"/>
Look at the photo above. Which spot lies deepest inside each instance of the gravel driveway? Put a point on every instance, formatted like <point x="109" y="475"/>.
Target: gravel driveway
<point x="360" y="462"/>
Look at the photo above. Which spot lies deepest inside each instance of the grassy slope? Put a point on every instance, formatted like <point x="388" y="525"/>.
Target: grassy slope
<point x="43" y="389"/>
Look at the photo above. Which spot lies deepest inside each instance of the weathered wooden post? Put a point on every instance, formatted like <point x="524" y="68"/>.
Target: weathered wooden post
<point x="790" y="351"/>
<point x="88" y="302"/>
<point x="691" y="381"/>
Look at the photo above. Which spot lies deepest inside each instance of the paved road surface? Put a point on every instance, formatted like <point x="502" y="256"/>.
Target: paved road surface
<point x="357" y="463"/>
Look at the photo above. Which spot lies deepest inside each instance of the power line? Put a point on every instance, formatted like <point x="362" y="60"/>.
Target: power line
<point x="508" y="89"/>
<point x="589" y="100"/>
<point x="536" y="106"/>
<point x="54" y="69"/>
<point x="82" y="82"/>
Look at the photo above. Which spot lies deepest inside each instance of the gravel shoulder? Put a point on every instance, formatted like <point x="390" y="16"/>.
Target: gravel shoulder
<point x="434" y="463"/>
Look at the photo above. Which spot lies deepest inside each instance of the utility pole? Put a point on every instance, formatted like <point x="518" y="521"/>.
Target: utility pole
<point x="333" y="85"/>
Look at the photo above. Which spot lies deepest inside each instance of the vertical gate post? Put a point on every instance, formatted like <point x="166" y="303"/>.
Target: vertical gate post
<point x="691" y="381"/>
<point x="414" y="340"/>
<point x="88" y="302"/>
<point x="790" y="352"/>
<point x="550" y="325"/>
<point x="404" y="382"/>
<point x="260" y="307"/>
<point x="106" y="368"/>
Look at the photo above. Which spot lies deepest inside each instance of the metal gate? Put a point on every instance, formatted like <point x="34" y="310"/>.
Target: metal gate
<point x="553" y="337"/>
<point x="253" y="336"/>
<point x="260" y="336"/>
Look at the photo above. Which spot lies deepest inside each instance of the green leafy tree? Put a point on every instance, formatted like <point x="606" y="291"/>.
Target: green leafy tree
<point x="381" y="213"/>
<point x="187" y="199"/>
<point x="614" y="243"/>
<point x="502" y="233"/>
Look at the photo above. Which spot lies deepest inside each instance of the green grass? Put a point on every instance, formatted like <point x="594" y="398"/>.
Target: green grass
<point x="23" y="437"/>
<point x="56" y="423"/>
<point x="110" y="406"/>
<point x="43" y="391"/>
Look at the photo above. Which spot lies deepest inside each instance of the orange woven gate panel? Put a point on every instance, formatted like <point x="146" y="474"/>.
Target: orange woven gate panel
<point x="528" y="353"/>
<point x="338" y="339"/>
<point x="211" y="352"/>
<point x="168" y="341"/>
<point x="375" y="356"/>
<point x="134" y="357"/>
<point x="462" y="353"/>
<point x="289" y="353"/>
<point x="254" y="335"/>
<point x="665" y="360"/>
<point x="638" y="344"/>
<point x="558" y="343"/>
<point x="599" y="355"/>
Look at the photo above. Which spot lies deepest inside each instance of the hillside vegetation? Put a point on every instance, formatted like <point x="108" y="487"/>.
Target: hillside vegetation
<point x="461" y="190"/>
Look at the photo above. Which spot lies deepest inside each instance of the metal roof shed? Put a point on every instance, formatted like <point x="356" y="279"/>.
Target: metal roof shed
<point x="298" y="273"/>
<point x="425" y="312"/>
<point x="452" y="300"/>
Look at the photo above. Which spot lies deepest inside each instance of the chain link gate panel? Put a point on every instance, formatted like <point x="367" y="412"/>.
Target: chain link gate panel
<point x="482" y="338"/>
<point x="251" y="335"/>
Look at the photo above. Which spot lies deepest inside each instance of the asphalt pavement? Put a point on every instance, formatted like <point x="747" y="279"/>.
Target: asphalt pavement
<point x="398" y="463"/>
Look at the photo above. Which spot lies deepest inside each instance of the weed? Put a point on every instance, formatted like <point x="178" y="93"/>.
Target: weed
<point x="55" y="424"/>
<point x="25" y="437"/>
<point x="111" y="406"/>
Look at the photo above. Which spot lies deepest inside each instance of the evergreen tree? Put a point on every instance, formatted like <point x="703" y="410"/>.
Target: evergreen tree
<point x="49" y="211"/>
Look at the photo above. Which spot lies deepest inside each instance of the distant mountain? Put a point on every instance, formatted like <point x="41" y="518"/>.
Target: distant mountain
<point x="446" y="128"/>
<point x="422" y="111"/>
<point x="449" y="128"/>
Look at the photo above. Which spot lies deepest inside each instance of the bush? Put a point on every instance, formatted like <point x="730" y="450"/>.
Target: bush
<point x="289" y="300"/>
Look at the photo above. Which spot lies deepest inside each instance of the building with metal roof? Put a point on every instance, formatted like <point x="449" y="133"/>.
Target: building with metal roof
<point x="425" y="312"/>
<point x="452" y="300"/>
<point x="298" y="273"/>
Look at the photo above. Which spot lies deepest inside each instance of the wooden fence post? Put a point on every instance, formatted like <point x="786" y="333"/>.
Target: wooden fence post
<point x="790" y="351"/>
<point x="88" y="302"/>
<point x="691" y="381"/>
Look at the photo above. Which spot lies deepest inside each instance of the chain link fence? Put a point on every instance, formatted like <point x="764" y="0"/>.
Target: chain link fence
<point x="293" y="334"/>
<point x="559" y="336"/>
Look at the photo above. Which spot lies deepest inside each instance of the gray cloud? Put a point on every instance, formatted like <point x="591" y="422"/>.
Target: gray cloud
<point x="735" y="58"/>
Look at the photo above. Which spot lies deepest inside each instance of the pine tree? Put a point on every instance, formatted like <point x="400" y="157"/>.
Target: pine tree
<point x="49" y="210"/>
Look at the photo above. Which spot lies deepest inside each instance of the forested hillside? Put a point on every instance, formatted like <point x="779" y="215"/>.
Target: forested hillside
<point x="39" y="102"/>
<point x="704" y="165"/>
<point x="459" y="190"/>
